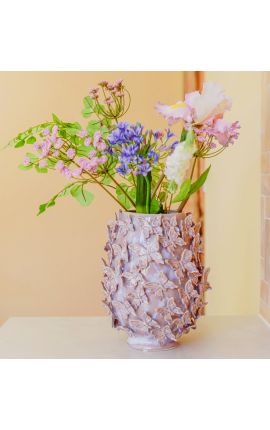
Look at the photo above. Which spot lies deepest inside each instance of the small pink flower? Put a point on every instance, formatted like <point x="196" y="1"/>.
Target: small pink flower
<point x="42" y="163"/>
<point x="60" y="165"/>
<point x="97" y="137"/>
<point x="92" y="154"/>
<point x="36" y="146"/>
<point x="103" y="83"/>
<point x="82" y="133"/>
<point x="66" y="172"/>
<point x="93" y="164"/>
<point x="120" y="94"/>
<point x="55" y="129"/>
<point x="45" y="148"/>
<point x="59" y="143"/>
<point x="87" y="141"/>
<point x="108" y="100"/>
<point x="52" y="138"/>
<point x="118" y="83"/>
<point x="46" y="132"/>
<point x="56" y="153"/>
<point x="71" y="153"/>
<point x="103" y="159"/>
<point x="77" y="172"/>
<point x="101" y="145"/>
<point x="26" y="161"/>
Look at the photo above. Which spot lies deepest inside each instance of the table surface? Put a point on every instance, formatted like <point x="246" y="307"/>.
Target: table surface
<point x="93" y="337"/>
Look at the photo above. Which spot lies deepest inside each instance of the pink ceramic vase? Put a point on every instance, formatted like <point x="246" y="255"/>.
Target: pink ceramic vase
<point x="154" y="281"/>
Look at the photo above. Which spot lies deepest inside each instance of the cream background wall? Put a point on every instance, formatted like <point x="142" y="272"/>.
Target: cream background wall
<point x="51" y="265"/>
<point x="232" y="203"/>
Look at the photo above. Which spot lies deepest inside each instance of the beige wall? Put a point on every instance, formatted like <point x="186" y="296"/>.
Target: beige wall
<point x="51" y="265"/>
<point x="232" y="203"/>
<point x="265" y="199"/>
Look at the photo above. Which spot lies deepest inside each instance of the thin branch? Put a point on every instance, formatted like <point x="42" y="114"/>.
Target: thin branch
<point x="157" y="185"/>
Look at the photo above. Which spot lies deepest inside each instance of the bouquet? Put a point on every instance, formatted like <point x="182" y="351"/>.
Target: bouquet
<point x="146" y="171"/>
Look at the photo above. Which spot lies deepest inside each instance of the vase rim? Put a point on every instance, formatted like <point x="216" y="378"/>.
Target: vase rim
<point x="171" y="213"/>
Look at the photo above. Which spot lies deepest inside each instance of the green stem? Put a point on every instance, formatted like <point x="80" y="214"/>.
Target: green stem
<point x="157" y="185"/>
<point x="184" y="202"/>
<point x="122" y="189"/>
<point x="148" y="193"/>
<point x="143" y="193"/>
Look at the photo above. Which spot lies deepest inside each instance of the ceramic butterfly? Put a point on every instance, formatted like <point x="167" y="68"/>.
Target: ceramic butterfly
<point x="149" y="252"/>
<point x="150" y="225"/>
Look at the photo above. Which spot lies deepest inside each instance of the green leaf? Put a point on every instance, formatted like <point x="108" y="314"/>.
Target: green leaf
<point x="41" y="169"/>
<point x="87" y="112"/>
<point x="92" y="127"/>
<point x="31" y="140"/>
<point x="122" y="197"/>
<point x="72" y="131"/>
<point x="172" y="187"/>
<point x="184" y="191"/>
<point x="19" y="144"/>
<point x="42" y="208"/>
<point x="84" y="197"/>
<point x="190" y="137"/>
<point x="106" y="180"/>
<point x="183" y="135"/>
<point x="88" y="102"/>
<point x="33" y="158"/>
<point x="200" y="181"/>
<point x="98" y="108"/>
<point x="22" y="167"/>
<point x="56" y="119"/>
<point x="162" y="196"/>
<point x="155" y="207"/>
<point x="51" y="202"/>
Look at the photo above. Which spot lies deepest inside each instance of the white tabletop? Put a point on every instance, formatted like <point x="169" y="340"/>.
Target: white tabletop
<point x="93" y="337"/>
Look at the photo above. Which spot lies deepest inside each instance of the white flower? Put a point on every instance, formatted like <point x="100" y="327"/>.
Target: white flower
<point x="197" y="107"/>
<point x="212" y="101"/>
<point x="178" y="162"/>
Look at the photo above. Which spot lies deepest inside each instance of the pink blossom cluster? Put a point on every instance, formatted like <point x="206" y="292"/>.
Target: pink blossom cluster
<point x="53" y="146"/>
<point x="224" y="132"/>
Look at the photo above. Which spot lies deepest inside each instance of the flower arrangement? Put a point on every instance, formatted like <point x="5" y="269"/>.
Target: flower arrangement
<point x="146" y="171"/>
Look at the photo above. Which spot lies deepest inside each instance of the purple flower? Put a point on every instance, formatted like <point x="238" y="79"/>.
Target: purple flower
<point x="144" y="168"/>
<point x="55" y="129"/>
<point x="77" y="172"/>
<point x="42" y="163"/>
<point x="123" y="169"/>
<point x="169" y="133"/>
<point x="87" y="141"/>
<point x="60" y="165"/>
<point x="46" y="132"/>
<point x="157" y="135"/>
<point x="82" y="133"/>
<point x="36" y="146"/>
<point x="153" y="155"/>
<point x="59" y="143"/>
<point x="26" y="161"/>
<point x="71" y="153"/>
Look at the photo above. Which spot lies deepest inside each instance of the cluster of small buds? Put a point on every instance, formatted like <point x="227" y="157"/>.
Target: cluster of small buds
<point x="113" y="98"/>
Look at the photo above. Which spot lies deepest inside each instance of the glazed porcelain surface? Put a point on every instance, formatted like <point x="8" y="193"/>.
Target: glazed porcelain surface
<point x="154" y="280"/>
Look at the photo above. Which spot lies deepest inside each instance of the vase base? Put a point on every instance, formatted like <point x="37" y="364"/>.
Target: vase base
<point x="150" y="344"/>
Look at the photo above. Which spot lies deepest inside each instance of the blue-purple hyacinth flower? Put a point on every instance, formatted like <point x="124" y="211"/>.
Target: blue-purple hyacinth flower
<point x="127" y="142"/>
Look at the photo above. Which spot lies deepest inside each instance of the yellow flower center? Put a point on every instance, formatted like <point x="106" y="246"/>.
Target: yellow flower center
<point x="177" y="105"/>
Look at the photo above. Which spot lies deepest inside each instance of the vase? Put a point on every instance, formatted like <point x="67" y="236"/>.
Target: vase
<point x="154" y="280"/>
